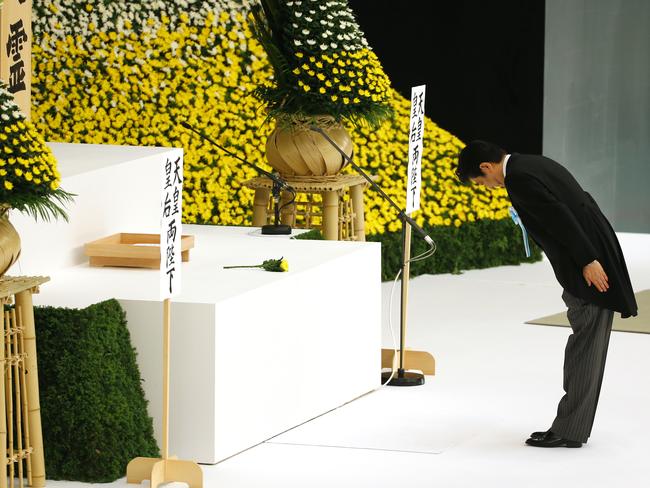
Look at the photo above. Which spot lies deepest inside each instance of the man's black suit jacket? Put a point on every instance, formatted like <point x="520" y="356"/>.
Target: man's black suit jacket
<point x="568" y="225"/>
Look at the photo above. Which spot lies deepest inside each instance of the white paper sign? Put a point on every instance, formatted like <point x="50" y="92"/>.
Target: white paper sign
<point x="416" y="134"/>
<point x="171" y="206"/>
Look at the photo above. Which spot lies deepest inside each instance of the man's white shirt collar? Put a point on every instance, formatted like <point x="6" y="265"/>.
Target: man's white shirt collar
<point x="505" y="162"/>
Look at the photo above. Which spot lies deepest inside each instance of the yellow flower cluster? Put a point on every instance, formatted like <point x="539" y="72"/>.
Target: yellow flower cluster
<point x="27" y="166"/>
<point x="345" y="78"/>
<point x="118" y="83"/>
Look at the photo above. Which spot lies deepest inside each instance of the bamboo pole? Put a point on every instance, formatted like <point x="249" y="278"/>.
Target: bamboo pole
<point x="260" y="206"/>
<point x="24" y="301"/>
<point x="25" y="401"/>
<point x="3" y="411"/>
<point x="9" y="399"/>
<point x="166" y="337"/>
<point x="330" y="215"/>
<point x="406" y="274"/>
<point x="358" y="216"/>
<point x="18" y="395"/>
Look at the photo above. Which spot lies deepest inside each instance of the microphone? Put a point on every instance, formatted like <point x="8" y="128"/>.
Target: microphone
<point x="401" y="214"/>
<point x="278" y="185"/>
<point x="273" y="177"/>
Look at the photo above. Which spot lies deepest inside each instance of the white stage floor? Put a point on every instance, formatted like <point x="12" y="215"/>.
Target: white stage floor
<point x="497" y="380"/>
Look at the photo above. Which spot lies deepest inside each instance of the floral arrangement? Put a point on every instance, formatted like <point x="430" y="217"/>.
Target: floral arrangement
<point x="127" y="72"/>
<point x="30" y="180"/>
<point x="276" y="265"/>
<point x="321" y="62"/>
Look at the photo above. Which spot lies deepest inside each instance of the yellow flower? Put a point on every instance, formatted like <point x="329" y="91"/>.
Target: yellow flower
<point x="284" y="265"/>
<point x="9" y="185"/>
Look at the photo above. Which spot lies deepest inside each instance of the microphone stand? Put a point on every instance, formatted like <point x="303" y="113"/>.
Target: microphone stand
<point x="403" y="378"/>
<point x="278" y="185"/>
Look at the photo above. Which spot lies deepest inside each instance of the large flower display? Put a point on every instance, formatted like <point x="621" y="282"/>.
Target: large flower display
<point x="321" y="61"/>
<point x="128" y="72"/>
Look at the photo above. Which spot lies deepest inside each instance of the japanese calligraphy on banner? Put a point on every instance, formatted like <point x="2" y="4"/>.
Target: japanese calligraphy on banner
<point x="170" y="224"/>
<point x="416" y="134"/>
<point x="16" y="50"/>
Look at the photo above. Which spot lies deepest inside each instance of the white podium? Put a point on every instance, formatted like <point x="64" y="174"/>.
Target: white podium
<point x="254" y="353"/>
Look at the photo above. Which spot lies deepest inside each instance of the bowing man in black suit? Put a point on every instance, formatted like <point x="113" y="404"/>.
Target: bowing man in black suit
<point x="587" y="260"/>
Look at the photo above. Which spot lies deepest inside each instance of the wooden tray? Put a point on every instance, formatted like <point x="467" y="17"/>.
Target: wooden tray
<point x="132" y="250"/>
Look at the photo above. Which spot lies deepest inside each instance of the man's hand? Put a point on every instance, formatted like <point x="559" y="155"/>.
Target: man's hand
<point x="595" y="275"/>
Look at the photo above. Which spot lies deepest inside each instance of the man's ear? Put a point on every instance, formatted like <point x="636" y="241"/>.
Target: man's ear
<point x="485" y="168"/>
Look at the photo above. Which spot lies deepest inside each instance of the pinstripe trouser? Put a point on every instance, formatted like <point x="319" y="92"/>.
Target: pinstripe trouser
<point x="584" y="365"/>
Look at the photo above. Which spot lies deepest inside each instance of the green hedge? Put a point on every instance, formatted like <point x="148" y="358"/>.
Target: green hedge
<point x="473" y="245"/>
<point x="93" y="408"/>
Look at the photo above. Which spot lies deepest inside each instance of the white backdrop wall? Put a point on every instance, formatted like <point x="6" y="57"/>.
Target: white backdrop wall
<point x="597" y="102"/>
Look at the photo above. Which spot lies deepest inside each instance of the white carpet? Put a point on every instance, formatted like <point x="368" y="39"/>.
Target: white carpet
<point x="497" y="380"/>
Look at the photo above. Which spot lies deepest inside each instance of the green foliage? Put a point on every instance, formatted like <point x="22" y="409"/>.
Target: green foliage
<point x="313" y="235"/>
<point x="93" y="409"/>
<point x="474" y="245"/>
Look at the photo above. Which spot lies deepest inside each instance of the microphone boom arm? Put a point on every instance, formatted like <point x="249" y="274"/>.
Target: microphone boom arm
<point x="401" y="214"/>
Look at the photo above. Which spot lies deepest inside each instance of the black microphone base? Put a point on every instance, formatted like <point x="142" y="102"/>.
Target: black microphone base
<point x="403" y="378"/>
<point x="276" y="230"/>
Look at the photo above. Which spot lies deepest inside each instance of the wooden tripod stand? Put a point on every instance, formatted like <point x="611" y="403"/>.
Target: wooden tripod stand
<point x="167" y="469"/>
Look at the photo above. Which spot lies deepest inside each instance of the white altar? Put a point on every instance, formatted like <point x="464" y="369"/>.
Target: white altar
<point x="254" y="353"/>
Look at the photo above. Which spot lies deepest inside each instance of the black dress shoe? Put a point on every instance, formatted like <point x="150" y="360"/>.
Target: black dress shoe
<point x="539" y="435"/>
<point x="549" y="439"/>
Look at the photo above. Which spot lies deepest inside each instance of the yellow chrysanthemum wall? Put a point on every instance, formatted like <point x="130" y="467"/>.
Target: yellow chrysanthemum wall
<point x="130" y="72"/>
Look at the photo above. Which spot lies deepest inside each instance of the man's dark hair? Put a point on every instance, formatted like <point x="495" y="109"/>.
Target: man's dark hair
<point x="472" y="155"/>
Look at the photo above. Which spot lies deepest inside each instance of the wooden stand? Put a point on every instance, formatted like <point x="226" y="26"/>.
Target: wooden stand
<point x="20" y="428"/>
<point x="168" y="469"/>
<point x="338" y="211"/>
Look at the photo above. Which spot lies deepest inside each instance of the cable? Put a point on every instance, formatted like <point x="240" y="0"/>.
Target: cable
<point x="390" y="326"/>
<point x="420" y="257"/>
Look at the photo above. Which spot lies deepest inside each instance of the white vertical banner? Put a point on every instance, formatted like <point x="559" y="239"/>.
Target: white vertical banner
<point x="171" y="206"/>
<point x="416" y="134"/>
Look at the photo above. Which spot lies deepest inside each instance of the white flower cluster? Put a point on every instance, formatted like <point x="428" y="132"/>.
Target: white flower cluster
<point x="84" y="18"/>
<point x="9" y="111"/>
<point x="330" y="25"/>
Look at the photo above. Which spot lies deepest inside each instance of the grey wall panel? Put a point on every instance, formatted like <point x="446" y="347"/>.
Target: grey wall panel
<point x="597" y="102"/>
